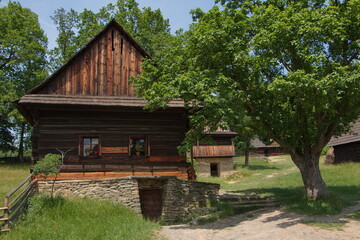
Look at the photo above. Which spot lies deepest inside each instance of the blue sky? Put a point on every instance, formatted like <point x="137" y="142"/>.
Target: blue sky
<point x="177" y="11"/>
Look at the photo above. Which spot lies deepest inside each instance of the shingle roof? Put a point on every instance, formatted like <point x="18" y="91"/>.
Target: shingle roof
<point x="257" y="143"/>
<point x="353" y="136"/>
<point x="121" y="101"/>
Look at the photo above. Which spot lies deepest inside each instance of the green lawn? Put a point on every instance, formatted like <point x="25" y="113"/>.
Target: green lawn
<point x="64" y="219"/>
<point x="280" y="178"/>
<point x="11" y="175"/>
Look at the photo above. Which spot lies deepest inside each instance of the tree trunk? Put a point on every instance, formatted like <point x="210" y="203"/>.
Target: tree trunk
<point x="247" y="158"/>
<point x="21" y="143"/>
<point x="314" y="184"/>
<point x="247" y="153"/>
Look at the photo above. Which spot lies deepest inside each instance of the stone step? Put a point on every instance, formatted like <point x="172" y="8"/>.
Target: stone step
<point x="253" y="202"/>
<point x="235" y="198"/>
<point x="270" y="204"/>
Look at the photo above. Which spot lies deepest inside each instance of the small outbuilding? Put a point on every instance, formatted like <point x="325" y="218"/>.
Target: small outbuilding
<point x="215" y="160"/>
<point x="268" y="150"/>
<point x="347" y="146"/>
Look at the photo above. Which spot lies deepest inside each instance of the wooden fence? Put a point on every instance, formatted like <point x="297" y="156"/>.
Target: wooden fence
<point x="15" y="202"/>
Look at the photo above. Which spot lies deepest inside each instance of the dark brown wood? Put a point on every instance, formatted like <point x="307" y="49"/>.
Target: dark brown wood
<point x="100" y="69"/>
<point x="64" y="128"/>
<point x="151" y="202"/>
<point x="92" y="96"/>
<point x="349" y="152"/>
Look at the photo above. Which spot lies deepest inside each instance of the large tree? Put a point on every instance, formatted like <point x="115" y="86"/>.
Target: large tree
<point x="292" y="66"/>
<point x="22" y="62"/>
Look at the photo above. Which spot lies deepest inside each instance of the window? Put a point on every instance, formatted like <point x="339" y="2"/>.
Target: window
<point x="138" y="146"/>
<point x="90" y="146"/>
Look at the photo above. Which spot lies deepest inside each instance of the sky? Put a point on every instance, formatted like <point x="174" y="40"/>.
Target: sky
<point x="177" y="11"/>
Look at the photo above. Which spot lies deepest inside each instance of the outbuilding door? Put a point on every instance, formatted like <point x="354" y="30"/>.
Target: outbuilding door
<point x="151" y="202"/>
<point x="214" y="169"/>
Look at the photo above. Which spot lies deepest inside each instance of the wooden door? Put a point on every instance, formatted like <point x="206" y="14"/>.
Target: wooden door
<point x="151" y="202"/>
<point x="214" y="169"/>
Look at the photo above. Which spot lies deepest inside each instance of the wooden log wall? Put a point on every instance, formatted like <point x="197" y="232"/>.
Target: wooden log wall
<point x="103" y="68"/>
<point x="164" y="131"/>
<point x="347" y="152"/>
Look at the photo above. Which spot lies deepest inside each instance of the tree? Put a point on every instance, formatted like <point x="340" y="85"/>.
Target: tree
<point x="292" y="66"/>
<point x="47" y="166"/>
<point x="22" y="60"/>
<point x="66" y="24"/>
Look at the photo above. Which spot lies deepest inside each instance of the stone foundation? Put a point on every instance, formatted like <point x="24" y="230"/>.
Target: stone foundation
<point x="226" y="166"/>
<point x="180" y="197"/>
<point x="122" y="190"/>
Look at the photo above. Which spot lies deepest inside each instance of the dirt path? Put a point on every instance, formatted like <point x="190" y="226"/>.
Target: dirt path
<point x="267" y="224"/>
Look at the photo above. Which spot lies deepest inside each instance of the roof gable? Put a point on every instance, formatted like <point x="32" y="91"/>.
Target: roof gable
<point x="102" y="68"/>
<point x="353" y="136"/>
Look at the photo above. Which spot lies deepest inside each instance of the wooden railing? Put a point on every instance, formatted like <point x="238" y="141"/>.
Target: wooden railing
<point x="15" y="202"/>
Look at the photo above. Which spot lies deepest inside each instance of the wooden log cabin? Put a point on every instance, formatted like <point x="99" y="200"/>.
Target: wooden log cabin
<point x="90" y="107"/>
<point x="215" y="160"/>
<point x="347" y="146"/>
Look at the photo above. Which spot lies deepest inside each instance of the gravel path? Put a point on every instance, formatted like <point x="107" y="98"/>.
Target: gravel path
<point x="267" y="224"/>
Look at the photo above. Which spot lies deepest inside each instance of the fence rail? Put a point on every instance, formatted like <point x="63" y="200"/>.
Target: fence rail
<point x="15" y="202"/>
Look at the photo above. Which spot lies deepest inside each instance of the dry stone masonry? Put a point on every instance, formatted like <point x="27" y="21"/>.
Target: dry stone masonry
<point x="179" y="197"/>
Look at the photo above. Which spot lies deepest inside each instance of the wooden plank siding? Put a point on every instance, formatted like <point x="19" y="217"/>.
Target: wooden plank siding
<point x="214" y="151"/>
<point x="62" y="129"/>
<point x="102" y="69"/>
<point x="349" y="152"/>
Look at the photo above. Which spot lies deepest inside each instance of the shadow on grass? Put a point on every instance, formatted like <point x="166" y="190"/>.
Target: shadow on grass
<point x="297" y="208"/>
<point x="255" y="167"/>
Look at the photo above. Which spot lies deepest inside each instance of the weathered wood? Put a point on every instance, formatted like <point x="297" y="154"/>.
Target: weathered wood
<point x="107" y="175"/>
<point x="214" y="151"/>
<point x="115" y="149"/>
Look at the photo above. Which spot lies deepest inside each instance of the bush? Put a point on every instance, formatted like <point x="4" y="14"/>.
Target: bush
<point x="47" y="165"/>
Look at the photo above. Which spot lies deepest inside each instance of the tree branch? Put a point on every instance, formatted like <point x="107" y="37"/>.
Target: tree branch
<point x="288" y="68"/>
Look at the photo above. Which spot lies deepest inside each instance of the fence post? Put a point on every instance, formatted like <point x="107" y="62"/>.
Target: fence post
<point x="6" y="214"/>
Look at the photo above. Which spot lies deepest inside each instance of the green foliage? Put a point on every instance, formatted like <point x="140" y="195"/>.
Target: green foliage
<point x="82" y="218"/>
<point x="47" y="165"/>
<point x="22" y="63"/>
<point x="325" y="150"/>
<point x="291" y="66"/>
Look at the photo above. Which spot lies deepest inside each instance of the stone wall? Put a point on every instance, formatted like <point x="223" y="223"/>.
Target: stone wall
<point x="180" y="197"/>
<point x="119" y="190"/>
<point x="226" y="166"/>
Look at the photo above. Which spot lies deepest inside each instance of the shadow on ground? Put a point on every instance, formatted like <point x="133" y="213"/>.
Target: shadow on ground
<point x="327" y="210"/>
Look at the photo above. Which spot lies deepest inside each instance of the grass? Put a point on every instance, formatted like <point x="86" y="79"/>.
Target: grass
<point x="338" y="226"/>
<point x="11" y="175"/>
<point x="282" y="180"/>
<point x="79" y="219"/>
<point x="354" y="215"/>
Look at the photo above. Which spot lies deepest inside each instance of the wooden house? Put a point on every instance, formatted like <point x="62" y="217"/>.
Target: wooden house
<point x="272" y="149"/>
<point x="215" y="160"/>
<point x="347" y="146"/>
<point x="90" y="107"/>
<point x="116" y="149"/>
